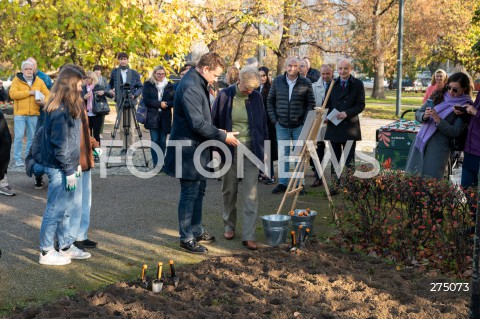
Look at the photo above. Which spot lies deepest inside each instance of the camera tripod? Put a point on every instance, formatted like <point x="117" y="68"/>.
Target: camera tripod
<point x="126" y="110"/>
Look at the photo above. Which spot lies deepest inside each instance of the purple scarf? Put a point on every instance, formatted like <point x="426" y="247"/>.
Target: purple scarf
<point x="443" y="110"/>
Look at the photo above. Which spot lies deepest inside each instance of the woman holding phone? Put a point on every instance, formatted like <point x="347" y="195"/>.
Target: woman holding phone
<point x="440" y="124"/>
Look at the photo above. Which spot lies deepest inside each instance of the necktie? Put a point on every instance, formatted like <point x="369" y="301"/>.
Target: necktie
<point x="344" y="84"/>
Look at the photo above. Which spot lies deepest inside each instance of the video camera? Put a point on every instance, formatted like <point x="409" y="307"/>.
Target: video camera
<point x="126" y="94"/>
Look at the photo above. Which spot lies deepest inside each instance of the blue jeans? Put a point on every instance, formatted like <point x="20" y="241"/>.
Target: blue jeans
<point x="469" y="177"/>
<point x="77" y="215"/>
<point x="160" y="138"/>
<point x="190" y="209"/>
<point x="38" y="169"/>
<point x="285" y="134"/>
<point x="20" y="123"/>
<point x="53" y="218"/>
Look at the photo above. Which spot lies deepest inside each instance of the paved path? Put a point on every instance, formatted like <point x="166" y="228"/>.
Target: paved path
<point x="133" y="219"/>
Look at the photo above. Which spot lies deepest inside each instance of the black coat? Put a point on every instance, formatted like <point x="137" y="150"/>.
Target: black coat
<point x="158" y="118"/>
<point x="5" y="145"/>
<point x="192" y="124"/>
<point x="290" y="113"/>
<point x="351" y="101"/>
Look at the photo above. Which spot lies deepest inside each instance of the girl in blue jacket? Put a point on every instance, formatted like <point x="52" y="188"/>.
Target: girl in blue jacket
<point x="61" y="156"/>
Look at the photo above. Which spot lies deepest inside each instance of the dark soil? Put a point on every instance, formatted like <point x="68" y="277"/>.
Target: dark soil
<point x="319" y="281"/>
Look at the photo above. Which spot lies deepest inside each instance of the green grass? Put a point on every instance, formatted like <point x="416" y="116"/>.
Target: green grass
<point x="386" y="108"/>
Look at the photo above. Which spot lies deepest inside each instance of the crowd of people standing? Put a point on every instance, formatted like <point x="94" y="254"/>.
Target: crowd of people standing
<point x="64" y="133"/>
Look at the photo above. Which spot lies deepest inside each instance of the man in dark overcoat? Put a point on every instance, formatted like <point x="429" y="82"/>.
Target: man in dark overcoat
<point x="192" y="125"/>
<point x="348" y="98"/>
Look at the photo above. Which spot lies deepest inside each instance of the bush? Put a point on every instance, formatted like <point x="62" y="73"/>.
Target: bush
<point x="409" y="219"/>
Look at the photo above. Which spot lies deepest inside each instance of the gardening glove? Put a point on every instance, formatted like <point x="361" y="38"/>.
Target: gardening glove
<point x="97" y="151"/>
<point x="79" y="171"/>
<point x="71" y="182"/>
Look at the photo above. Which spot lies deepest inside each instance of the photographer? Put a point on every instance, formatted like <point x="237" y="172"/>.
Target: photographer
<point x="125" y="82"/>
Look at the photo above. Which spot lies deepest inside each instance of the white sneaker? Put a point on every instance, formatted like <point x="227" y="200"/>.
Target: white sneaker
<point x="19" y="164"/>
<point x="54" y="258"/>
<point x="7" y="190"/>
<point x="75" y="253"/>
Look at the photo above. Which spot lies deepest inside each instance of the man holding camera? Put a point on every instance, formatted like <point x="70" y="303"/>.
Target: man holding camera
<point x="125" y="80"/>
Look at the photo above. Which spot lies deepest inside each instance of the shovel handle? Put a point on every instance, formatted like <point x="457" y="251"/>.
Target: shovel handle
<point x="172" y="268"/>
<point x="144" y="270"/>
<point x="159" y="270"/>
<point x="293" y="238"/>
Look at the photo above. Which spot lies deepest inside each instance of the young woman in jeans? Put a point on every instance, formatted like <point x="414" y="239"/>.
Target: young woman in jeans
<point x="60" y="155"/>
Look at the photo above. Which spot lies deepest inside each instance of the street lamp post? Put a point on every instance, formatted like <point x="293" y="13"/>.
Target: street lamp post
<point x="399" y="58"/>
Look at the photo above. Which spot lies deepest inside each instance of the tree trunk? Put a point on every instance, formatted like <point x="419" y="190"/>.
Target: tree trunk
<point x="378" y="91"/>
<point x="240" y="46"/>
<point x="379" y="76"/>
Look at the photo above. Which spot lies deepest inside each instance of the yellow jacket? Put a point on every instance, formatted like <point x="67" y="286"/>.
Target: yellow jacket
<point x="24" y="103"/>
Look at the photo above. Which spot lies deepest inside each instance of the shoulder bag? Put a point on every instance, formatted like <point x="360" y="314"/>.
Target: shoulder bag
<point x="100" y="105"/>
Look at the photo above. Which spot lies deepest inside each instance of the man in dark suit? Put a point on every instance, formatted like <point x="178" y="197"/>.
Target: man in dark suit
<point x="347" y="97"/>
<point x="119" y="76"/>
<point x="192" y="125"/>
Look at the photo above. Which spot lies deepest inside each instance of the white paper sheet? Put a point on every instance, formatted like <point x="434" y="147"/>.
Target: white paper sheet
<point x="332" y="117"/>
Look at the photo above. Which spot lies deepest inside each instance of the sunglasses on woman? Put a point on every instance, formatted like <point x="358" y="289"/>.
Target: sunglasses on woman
<point x="454" y="90"/>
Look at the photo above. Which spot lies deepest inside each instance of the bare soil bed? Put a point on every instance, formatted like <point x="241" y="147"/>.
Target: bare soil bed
<point x="318" y="282"/>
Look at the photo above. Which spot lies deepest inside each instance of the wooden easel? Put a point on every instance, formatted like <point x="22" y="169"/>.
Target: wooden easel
<point x="295" y="185"/>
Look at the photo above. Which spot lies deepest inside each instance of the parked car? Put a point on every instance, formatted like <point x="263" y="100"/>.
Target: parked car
<point x="368" y="84"/>
<point x="405" y="83"/>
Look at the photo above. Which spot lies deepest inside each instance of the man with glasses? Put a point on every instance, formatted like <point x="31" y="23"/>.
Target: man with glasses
<point x="312" y="74"/>
<point x="289" y="100"/>
<point x="192" y="125"/>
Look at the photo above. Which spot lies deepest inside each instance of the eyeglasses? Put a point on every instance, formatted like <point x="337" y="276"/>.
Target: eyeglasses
<point x="454" y="90"/>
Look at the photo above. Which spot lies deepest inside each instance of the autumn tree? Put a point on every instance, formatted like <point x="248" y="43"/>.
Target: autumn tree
<point x="87" y="32"/>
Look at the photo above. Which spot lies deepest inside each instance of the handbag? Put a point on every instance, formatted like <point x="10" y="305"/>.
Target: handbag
<point x="100" y="105"/>
<point x="141" y="112"/>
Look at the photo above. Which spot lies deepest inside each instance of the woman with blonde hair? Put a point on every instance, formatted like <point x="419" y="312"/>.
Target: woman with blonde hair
<point x="158" y="95"/>
<point x="60" y="150"/>
<point x="92" y="91"/>
<point x="439" y="79"/>
<point x="239" y="108"/>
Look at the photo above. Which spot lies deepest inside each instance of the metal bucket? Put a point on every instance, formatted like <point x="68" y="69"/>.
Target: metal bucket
<point x="275" y="228"/>
<point x="304" y="221"/>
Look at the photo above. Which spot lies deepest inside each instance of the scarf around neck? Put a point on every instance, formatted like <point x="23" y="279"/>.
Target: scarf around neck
<point x="443" y="109"/>
<point x="160" y="87"/>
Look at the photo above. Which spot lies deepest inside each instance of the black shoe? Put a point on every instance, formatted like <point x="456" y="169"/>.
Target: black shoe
<point x="303" y="191"/>
<point x="205" y="238"/>
<point x="279" y="189"/>
<point x="317" y="182"/>
<point x="270" y="181"/>
<point x="193" y="247"/>
<point x="38" y="183"/>
<point x="87" y="243"/>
